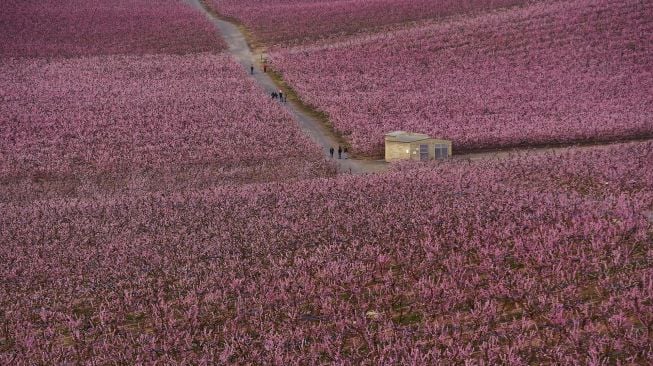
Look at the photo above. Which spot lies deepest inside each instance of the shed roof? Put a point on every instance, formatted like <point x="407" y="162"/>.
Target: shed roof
<point x="403" y="136"/>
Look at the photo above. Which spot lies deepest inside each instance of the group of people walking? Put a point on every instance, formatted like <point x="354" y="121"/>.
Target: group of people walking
<point x="282" y="98"/>
<point x="341" y="151"/>
<point x="274" y="94"/>
<point x="251" y="68"/>
<point x="279" y="95"/>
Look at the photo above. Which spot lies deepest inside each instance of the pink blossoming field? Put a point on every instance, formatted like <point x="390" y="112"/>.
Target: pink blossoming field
<point x="56" y="28"/>
<point x="157" y="207"/>
<point x="86" y="126"/>
<point x="533" y="259"/>
<point x="299" y="21"/>
<point x="546" y="73"/>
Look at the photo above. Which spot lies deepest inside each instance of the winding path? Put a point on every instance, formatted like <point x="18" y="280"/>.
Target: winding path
<point x="310" y="125"/>
<point x="324" y="136"/>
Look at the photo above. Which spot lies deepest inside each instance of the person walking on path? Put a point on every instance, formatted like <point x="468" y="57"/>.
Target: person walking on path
<point x="251" y="69"/>
<point x="274" y="95"/>
<point x="331" y="152"/>
<point x="344" y="151"/>
<point x="265" y="67"/>
<point x="280" y="95"/>
<point x="339" y="152"/>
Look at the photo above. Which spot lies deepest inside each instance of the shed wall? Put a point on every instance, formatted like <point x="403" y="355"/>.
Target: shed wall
<point x="414" y="148"/>
<point x="396" y="151"/>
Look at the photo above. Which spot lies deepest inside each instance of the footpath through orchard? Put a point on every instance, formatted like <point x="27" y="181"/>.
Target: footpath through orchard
<point x="311" y="125"/>
<point x="322" y="134"/>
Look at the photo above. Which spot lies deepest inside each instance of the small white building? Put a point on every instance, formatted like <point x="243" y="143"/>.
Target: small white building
<point x="402" y="145"/>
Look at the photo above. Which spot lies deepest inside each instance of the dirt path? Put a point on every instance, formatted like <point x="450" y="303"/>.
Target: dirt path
<point x="506" y="152"/>
<point x="313" y="127"/>
<point x="322" y="134"/>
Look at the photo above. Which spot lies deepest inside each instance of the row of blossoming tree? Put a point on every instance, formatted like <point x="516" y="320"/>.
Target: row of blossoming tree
<point x="82" y="126"/>
<point x="301" y="21"/>
<point x="156" y="206"/>
<point x="532" y="259"/>
<point x="54" y="28"/>
<point x="546" y="73"/>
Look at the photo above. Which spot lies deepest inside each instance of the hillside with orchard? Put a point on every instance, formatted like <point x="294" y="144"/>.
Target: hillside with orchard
<point x="207" y="182"/>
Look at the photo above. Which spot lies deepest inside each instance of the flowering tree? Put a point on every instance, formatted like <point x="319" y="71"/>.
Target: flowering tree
<point x="297" y="21"/>
<point x="533" y="259"/>
<point x="161" y="209"/>
<point x="54" y="28"/>
<point x="118" y="123"/>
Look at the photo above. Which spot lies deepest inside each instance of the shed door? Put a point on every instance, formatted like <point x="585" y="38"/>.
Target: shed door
<point x="423" y="152"/>
<point x="441" y="151"/>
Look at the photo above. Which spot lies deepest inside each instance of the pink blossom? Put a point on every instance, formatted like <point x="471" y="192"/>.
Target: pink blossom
<point x="550" y="72"/>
